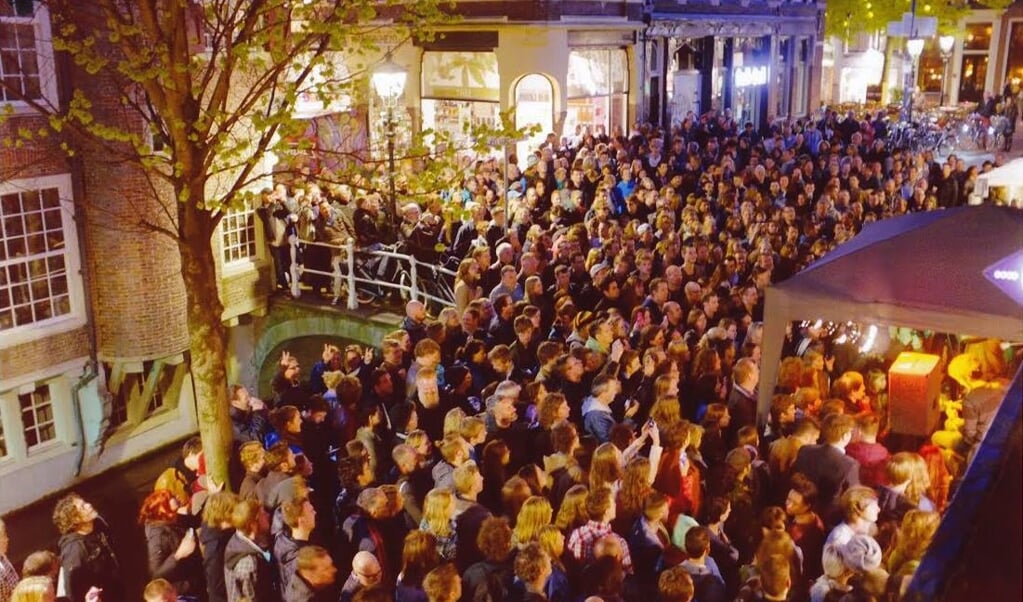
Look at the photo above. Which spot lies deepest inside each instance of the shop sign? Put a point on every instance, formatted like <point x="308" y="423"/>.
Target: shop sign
<point x="750" y="75"/>
<point x="1007" y="275"/>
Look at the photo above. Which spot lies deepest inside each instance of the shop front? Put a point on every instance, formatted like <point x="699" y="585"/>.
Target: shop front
<point x="460" y="90"/>
<point x="598" y="88"/>
<point x="758" y="65"/>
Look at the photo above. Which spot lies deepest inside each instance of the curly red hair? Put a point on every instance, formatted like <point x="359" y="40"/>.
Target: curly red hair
<point x="158" y="506"/>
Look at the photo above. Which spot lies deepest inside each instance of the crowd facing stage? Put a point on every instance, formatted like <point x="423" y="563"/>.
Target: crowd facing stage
<point x="582" y="424"/>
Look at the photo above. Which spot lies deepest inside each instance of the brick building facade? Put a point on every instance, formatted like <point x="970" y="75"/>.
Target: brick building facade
<point x="93" y="337"/>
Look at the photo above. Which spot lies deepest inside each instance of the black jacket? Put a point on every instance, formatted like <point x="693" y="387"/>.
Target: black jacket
<point x="831" y="470"/>
<point x="162" y="540"/>
<point x="299" y="590"/>
<point x="89" y="560"/>
<point x="213" y="542"/>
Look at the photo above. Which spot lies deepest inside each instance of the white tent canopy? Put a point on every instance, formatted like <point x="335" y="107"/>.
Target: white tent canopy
<point x="923" y="271"/>
<point x="1009" y="175"/>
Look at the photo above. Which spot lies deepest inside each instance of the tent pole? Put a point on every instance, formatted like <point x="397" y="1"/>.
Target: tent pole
<point x="775" y="319"/>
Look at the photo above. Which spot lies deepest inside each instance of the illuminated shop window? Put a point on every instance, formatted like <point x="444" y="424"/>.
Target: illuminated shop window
<point x="598" y="86"/>
<point x="460" y="90"/>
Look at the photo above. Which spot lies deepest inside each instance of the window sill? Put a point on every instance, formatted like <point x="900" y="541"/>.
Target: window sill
<point x="240" y="267"/>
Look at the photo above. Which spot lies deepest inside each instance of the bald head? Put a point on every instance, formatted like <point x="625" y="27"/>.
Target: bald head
<point x="415" y="310"/>
<point x="366" y="568"/>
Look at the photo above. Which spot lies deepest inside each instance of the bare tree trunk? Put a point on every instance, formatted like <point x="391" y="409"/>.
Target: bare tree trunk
<point x="207" y="337"/>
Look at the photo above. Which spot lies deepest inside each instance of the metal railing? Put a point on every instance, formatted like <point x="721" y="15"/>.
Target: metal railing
<point x="352" y="278"/>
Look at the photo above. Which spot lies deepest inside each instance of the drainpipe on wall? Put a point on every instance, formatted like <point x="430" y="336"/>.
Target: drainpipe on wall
<point x="91" y="368"/>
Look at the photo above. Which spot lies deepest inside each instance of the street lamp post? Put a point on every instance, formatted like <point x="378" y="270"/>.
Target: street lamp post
<point x="389" y="83"/>
<point x="946" y="44"/>
<point x="915" y="47"/>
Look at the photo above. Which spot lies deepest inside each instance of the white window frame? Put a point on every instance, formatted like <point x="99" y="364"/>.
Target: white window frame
<point x="38" y="426"/>
<point x="59" y="379"/>
<point x="40" y="20"/>
<point x="72" y="264"/>
<point x="239" y="264"/>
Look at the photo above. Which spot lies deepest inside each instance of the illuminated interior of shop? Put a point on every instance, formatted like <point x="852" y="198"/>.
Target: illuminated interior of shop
<point x="534" y="105"/>
<point x="460" y="90"/>
<point x="598" y="82"/>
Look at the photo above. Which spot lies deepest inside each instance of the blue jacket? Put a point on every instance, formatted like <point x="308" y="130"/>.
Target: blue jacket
<point x="597" y="419"/>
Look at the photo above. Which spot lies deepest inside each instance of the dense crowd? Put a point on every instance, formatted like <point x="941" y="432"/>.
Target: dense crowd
<point x="583" y="423"/>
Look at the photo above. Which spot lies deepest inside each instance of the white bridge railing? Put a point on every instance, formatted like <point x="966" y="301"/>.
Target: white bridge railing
<point x="414" y="279"/>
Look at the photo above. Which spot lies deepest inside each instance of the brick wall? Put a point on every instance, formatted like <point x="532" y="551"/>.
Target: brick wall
<point x="137" y="292"/>
<point x="36" y="355"/>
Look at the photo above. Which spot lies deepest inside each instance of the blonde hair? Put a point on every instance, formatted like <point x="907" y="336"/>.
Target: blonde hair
<point x="919" y="479"/>
<point x="472" y="427"/>
<point x="219" y="508"/>
<point x="438" y="509"/>
<point x="695" y="436"/>
<point x="914" y="536"/>
<point x="552" y="540"/>
<point x="666" y="410"/>
<point x="33" y="589"/>
<point x="573" y="509"/>
<point x="604" y="467"/>
<point x="899" y="468"/>
<point x="453" y="421"/>
<point x="417" y="438"/>
<point x="535" y="514"/>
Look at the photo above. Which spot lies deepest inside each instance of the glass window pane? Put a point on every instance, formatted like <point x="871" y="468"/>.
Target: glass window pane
<point x="14" y="226"/>
<point x="10" y="204"/>
<point x="51" y="198"/>
<point x="35" y="283"/>
<point x="36" y="244"/>
<point x="30" y="201"/>
<point x="16" y="246"/>
<point x="619" y="71"/>
<point x="52" y="219"/>
<point x="62" y="305"/>
<point x="58" y="285"/>
<point x="978" y="36"/>
<point x="588" y="72"/>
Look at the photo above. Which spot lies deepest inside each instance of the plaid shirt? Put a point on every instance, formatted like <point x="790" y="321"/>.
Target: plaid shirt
<point x="8" y="578"/>
<point x="582" y="540"/>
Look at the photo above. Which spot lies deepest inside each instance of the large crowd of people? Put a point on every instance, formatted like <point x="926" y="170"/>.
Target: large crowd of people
<point x="583" y="423"/>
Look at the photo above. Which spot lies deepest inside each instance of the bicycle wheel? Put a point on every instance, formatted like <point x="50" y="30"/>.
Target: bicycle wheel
<point x="364" y="293"/>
